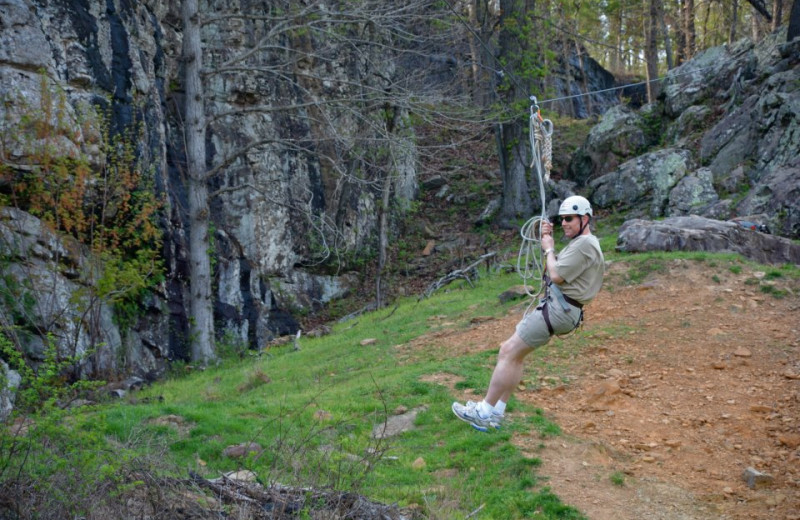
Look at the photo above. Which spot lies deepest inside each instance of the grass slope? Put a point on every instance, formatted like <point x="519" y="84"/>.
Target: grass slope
<point x="313" y="411"/>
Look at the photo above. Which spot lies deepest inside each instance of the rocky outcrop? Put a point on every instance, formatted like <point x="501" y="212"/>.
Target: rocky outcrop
<point x="734" y="111"/>
<point x="647" y="179"/>
<point x="695" y="233"/>
<point x="693" y="194"/>
<point x="572" y="79"/>
<point x="48" y="282"/>
<point x="9" y="382"/>
<point x="275" y="207"/>
<point x="618" y="136"/>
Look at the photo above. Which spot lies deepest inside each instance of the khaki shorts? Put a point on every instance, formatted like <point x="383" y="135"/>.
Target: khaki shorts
<point x="533" y="329"/>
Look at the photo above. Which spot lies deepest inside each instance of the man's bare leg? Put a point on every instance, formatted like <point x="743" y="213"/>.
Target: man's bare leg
<point x="487" y="415"/>
<point x="508" y="370"/>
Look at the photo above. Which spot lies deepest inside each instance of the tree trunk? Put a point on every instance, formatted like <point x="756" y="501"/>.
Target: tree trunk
<point x="755" y="28"/>
<point x="512" y="138"/>
<point x="481" y="19"/>
<point x="517" y="200"/>
<point x="734" y="20"/>
<point x="761" y="8"/>
<point x="777" y="14"/>
<point x="616" y="29"/>
<point x="651" y="51"/>
<point x="794" y="22"/>
<point x="383" y="237"/>
<point x="200" y="303"/>
<point x="680" y="35"/>
<point x="667" y="42"/>
<point x="706" y="18"/>
<point x="383" y="216"/>
<point x="475" y="52"/>
<point x="689" y="31"/>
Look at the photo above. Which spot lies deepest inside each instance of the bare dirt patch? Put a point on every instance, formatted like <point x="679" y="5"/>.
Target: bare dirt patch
<point x="694" y="379"/>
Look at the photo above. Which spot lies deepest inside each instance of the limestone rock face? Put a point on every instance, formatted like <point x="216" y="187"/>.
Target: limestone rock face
<point x="274" y="205"/>
<point x="47" y="278"/>
<point x="9" y="381"/>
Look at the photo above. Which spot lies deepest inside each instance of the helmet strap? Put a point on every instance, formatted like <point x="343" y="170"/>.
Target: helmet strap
<point x="583" y="226"/>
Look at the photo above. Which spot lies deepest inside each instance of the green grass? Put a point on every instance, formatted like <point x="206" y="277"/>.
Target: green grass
<point x="313" y="412"/>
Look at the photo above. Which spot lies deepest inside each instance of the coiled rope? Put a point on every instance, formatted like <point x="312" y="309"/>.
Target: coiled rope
<point x="530" y="261"/>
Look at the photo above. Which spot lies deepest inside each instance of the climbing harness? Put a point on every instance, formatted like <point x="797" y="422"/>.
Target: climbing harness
<point x="530" y="263"/>
<point x="553" y="294"/>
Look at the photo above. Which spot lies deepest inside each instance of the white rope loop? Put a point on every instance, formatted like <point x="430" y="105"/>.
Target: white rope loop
<point x="530" y="262"/>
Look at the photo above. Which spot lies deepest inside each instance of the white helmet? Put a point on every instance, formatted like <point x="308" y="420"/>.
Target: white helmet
<point x="575" y="205"/>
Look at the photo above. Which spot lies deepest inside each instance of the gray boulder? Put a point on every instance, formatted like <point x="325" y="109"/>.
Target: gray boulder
<point x="645" y="181"/>
<point x="619" y="136"/>
<point x="9" y="382"/>
<point x="695" y="233"/>
<point x="778" y="197"/>
<point x="693" y="194"/>
<point x="732" y="140"/>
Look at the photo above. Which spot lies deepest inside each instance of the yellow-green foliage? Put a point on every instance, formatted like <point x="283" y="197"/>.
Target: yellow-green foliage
<point x="84" y="180"/>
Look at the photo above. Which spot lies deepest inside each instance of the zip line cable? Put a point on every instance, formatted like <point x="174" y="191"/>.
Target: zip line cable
<point x="503" y="73"/>
<point x="620" y="87"/>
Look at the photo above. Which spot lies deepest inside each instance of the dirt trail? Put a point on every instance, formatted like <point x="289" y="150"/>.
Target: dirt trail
<point x="697" y="379"/>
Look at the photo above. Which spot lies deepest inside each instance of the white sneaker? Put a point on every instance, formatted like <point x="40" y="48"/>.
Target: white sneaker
<point x="497" y="418"/>
<point x="469" y="414"/>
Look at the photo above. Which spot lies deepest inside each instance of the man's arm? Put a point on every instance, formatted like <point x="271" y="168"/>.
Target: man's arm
<point x="548" y="244"/>
<point x="552" y="272"/>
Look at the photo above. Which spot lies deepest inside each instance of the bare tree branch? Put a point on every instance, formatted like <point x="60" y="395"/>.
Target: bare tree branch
<point x="761" y="8"/>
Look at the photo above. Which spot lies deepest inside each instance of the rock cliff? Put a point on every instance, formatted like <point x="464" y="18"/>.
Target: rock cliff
<point x="272" y="205"/>
<point x="721" y="141"/>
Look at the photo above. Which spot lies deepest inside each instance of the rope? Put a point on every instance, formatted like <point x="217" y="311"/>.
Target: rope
<point x="530" y="263"/>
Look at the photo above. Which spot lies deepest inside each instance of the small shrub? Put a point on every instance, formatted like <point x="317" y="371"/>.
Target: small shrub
<point x="254" y="380"/>
<point x="774" y="291"/>
<point x="617" y="478"/>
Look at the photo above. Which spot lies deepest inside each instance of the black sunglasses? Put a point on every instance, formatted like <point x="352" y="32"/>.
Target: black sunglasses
<point x="568" y="218"/>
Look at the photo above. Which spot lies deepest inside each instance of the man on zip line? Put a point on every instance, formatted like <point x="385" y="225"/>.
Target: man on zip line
<point x="573" y="278"/>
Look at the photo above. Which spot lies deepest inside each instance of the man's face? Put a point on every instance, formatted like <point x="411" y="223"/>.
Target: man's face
<point x="571" y="225"/>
